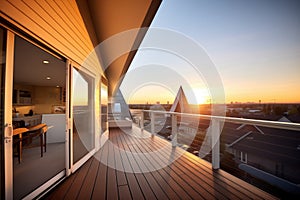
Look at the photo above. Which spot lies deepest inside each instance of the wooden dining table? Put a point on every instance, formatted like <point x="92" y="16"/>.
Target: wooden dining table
<point x="32" y="131"/>
<point x="19" y="132"/>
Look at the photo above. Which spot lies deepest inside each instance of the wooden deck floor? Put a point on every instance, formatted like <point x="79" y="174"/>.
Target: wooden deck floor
<point x="135" y="168"/>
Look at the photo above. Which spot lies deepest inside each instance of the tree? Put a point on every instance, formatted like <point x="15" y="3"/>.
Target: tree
<point x="278" y="110"/>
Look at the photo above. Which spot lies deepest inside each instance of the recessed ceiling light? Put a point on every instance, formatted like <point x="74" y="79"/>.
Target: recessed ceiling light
<point x="48" y="78"/>
<point x="46" y="61"/>
<point x="57" y="86"/>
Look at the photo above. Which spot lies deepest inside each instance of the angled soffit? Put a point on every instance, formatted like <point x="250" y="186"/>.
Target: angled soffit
<point x="105" y="18"/>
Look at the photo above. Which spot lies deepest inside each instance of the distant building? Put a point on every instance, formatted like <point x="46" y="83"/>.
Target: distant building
<point x="273" y="151"/>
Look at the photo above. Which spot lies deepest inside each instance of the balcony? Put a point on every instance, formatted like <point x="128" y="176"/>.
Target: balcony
<point x="136" y="164"/>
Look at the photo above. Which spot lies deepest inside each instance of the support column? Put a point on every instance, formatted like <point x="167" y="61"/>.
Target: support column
<point x="174" y="130"/>
<point x="142" y="121"/>
<point x="152" y="116"/>
<point x="215" y="142"/>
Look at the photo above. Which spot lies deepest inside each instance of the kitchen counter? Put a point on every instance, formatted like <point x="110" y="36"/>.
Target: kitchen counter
<point x="29" y="120"/>
<point x="56" y="127"/>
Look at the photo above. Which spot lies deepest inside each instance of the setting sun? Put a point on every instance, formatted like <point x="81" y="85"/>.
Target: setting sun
<point x="201" y="95"/>
<point x="197" y="96"/>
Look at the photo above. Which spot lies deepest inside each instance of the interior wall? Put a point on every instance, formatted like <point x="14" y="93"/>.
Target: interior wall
<point x="44" y="98"/>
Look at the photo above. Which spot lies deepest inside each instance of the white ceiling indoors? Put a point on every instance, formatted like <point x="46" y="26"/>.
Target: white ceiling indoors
<point x="29" y="68"/>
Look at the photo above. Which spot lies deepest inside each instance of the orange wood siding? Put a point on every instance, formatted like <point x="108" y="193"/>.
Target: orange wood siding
<point x="55" y="22"/>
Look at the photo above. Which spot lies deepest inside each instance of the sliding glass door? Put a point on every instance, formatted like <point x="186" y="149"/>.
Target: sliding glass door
<point x="43" y="91"/>
<point x="32" y="117"/>
<point x="83" y="116"/>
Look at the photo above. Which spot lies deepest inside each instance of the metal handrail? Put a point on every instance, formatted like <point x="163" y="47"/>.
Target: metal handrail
<point x="258" y="122"/>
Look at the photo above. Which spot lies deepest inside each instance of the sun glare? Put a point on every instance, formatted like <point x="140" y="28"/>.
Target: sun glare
<point x="200" y="95"/>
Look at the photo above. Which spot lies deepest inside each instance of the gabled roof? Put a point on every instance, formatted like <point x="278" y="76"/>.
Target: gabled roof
<point x="180" y="103"/>
<point x="276" y="144"/>
<point x="124" y="108"/>
<point x="284" y="119"/>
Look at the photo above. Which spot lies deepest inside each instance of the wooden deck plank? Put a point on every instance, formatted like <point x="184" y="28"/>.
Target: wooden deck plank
<point x="161" y="189"/>
<point x="196" y="182"/>
<point x="209" y="178"/>
<point x="61" y="191"/>
<point x="144" y="182"/>
<point x="196" y="185"/>
<point x="121" y="176"/>
<point x="143" y="175"/>
<point x="248" y="194"/>
<point x="99" y="191"/>
<point x="134" y="187"/>
<point x="148" y="185"/>
<point x="145" y="186"/>
<point x="174" y="185"/>
<point x="152" y="182"/>
<point x="77" y="183"/>
<point x="252" y="195"/>
<point x="124" y="192"/>
<point x="191" y="191"/>
<point x="244" y="192"/>
<point x="89" y="182"/>
<point x="167" y="189"/>
<point x="123" y="188"/>
<point x="112" y="186"/>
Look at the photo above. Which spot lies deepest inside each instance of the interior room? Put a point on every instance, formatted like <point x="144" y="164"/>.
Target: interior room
<point x="39" y="96"/>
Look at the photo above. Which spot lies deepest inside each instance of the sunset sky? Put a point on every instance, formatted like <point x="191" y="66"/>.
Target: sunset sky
<point x="255" y="46"/>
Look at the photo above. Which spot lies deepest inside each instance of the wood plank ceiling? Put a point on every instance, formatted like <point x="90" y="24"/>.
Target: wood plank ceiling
<point x="104" y="19"/>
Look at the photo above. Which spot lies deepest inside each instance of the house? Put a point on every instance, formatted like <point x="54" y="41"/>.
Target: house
<point x="61" y="62"/>
<point x="271" y="151"/>
<point x="52" y="73"/>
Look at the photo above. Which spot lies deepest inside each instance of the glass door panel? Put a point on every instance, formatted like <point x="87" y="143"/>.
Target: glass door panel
<point x="104" y="106"/>
<point x="39" y="107"/>
<point x="83" y="114"/>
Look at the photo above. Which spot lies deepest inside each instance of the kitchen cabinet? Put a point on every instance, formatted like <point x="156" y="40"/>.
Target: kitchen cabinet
<point x="22" y="97"/>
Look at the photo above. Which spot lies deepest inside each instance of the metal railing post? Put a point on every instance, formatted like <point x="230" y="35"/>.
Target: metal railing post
<point x="152" y="116"/>
<point x="215" y="142"/>
<point x="174" y="130"/>
<point x="142" y="120"/>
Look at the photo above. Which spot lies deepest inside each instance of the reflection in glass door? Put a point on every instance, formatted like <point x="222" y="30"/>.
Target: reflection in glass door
<point x="83" y="115"/>
<point x="104" y="106"/>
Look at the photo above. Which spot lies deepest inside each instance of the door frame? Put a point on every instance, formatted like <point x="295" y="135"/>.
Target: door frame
<point x="85" y="158"/>
<point x="8" y="131"/>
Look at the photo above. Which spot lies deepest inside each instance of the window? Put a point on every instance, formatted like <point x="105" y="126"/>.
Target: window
<point x="243" y="157"/>
<point x="117" y="108"/>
